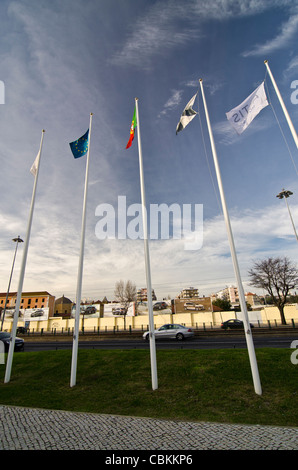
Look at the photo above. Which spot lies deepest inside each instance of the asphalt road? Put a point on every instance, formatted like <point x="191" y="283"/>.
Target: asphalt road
<point x="207" y="342"/>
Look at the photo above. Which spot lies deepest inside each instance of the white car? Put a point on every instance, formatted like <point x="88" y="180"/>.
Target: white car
<point x="171" y="331"/>
<point x="193" y="306"/>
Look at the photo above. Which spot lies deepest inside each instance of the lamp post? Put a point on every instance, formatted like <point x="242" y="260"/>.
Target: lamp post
<point x="285" y="194"/>
<point x="17" y="240"/>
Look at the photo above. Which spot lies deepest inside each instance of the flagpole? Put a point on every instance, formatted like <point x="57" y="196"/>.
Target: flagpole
<point x="248" y="334"/>
<point x="22" y="273"/>
<point x="147" y="259"/>
<point x="80" y="273"/>
<point x="291" y="126"/>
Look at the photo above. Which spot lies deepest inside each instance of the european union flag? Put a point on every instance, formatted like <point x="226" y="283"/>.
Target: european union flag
<point x="79" y="147"/>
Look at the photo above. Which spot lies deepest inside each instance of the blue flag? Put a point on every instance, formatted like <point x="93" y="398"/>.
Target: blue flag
<point x="79" y="147"/>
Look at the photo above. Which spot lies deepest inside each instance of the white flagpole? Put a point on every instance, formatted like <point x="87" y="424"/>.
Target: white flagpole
<point x="80" y="273"/>
<point x="292" y="128"/>
<point x="248" y="334"/>
<point x="22" y="273"/>
<point x="147" y="259"/>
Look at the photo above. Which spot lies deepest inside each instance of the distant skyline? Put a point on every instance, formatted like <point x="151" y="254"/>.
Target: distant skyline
<point x="62" y="60"/>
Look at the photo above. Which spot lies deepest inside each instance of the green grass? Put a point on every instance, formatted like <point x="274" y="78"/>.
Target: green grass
<point x="195" y="385"/>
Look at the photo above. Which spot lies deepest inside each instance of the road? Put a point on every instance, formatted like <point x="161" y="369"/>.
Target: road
<point x="204" y="342"/>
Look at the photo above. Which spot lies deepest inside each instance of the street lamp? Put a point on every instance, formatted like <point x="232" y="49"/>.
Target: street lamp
<point x="285" y="194"/>
<point x="17" y="241"/>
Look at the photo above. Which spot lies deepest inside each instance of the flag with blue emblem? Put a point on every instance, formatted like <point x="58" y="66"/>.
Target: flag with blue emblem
<point x="79" y="147"/>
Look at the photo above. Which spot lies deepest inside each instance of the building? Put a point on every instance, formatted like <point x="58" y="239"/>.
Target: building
<point x="189" y="293"/>
<point x="142" y="295"/>
<point x="229" y="293"/>
<point x="253" y="300"/>
<point x="63" y="307"/>
<point x="29" y="300"/>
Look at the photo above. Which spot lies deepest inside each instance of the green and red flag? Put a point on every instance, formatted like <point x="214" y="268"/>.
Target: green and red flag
<point x="132" y="129"/>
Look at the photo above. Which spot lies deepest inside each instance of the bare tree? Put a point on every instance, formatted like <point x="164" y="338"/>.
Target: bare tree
<point x="276" y="276"/>
<point x="125" y="293"/>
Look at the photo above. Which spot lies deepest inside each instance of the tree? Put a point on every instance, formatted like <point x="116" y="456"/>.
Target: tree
<point x="223" y="304"/>
<point x="277" y="276"/>
<point x="125" y="293"/>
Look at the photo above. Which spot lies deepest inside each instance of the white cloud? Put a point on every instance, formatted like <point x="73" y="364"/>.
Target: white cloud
<point x="291" y="70"/>
<point x="53" y="256"/>
<point x="157" y="30"/>
<point x="288" y="31"/>
<point x="172" y="102"/>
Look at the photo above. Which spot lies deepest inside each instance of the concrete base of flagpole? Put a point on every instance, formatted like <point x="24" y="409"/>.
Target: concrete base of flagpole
<point x="253" y="363"/>
<point x="153" y="364"/>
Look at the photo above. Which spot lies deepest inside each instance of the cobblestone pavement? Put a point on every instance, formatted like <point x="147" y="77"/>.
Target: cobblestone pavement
<point x="39" y="429"/>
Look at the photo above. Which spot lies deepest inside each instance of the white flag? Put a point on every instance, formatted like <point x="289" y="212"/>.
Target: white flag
<point x="33" y="169"/>
<point x="241" y="116"/>
<point x="187" y="115"/>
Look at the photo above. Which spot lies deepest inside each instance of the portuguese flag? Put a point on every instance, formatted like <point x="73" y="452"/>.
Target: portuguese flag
<point x="132" y="129"/>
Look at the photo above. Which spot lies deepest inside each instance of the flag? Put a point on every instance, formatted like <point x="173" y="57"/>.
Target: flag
<point x="241" y="116"/>
<point x="132" y="129"/>
<point x="187" y="115"/>
<point x="33" y="169"/>
<point x="79" y="147"/>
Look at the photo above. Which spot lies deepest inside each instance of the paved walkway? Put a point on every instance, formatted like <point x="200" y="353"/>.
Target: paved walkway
<point x="39" y="429"/>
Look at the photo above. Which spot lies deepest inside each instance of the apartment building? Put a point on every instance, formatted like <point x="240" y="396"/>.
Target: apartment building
<point x="29" y="300"/>
<point x="189" y="293"/>
<point x="228" y="293"/>
<point x="142" y="295"/>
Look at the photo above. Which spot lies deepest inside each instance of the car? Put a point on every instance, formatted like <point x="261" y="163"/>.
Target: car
<point x="200" y="307"/>
<point x="89" y="310"/>
<point x="22" y="329"/>
<point x="171" y="331"/>
<point x="19" y="344"/>
<point x="37" y="313"/>
<point x="159" y="306"/>
<point x="233" y="324"/>
<point x="193" y="306"/>
<point x="119" y="311"/>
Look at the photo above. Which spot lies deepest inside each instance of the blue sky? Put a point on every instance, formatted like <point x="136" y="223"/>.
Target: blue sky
<point x="63" y="59"/>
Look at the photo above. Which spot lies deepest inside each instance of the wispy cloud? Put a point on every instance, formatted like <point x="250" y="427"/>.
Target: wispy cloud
<point x="288" y="31"/>
<point x="172" y="102"/>
<point x="157" y="30"/>
<point x="292" y="68"/>
<point x="154" y="33"/>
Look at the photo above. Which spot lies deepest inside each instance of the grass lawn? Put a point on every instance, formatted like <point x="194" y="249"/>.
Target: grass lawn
<point x="195" y="385"/>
